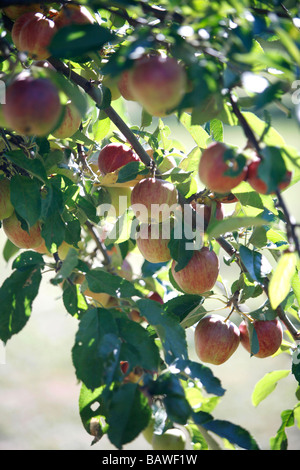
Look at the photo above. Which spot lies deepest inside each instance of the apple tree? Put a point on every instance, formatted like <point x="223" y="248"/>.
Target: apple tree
<point x="84" y="190"/>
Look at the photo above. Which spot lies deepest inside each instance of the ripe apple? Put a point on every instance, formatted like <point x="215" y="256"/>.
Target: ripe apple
<point x="212" y="169"/>
<point x="6" y="207"/>
<point x="153" y="200"/>
<point x="32" y="105"/>
<point x="172" y="439"/>
<point x="73" y="14"/>
<point x="100" y="297"/>
<point x="258" y="184"/>
<point x="15" y="11"/>
<point x="158" y="83"/>
<point x="19" y="237"/>
<point x="269" y="335"/>
<point x="152" y="241"/>
<point x="155" y="296"/>
<point x="216" y="339"/>
<point x="123" y="86"/>
<point x="33" y="34"/>
<point x="114" y="156"/>
<point x="200" y="274"/>
<point x="70" y="123"/>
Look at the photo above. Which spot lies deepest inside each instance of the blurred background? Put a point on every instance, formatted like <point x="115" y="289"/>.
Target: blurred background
<point x="38" y="388"/>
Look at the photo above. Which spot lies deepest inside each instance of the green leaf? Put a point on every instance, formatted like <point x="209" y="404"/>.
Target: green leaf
<point x="97" y="347"/>
<point x="166" y="325"/>
<point x="281" y="280"/>
<point x="130" y="171"/>
<point x="90" y="411"/>
<point x="77" y="40"/>
<point x="257" y="265"/>
<point x="9" y="250"/>
<point x="272" y="168"/>
<point x="197" y="371"/>
<point x="138" y="348"/>
<point x="18" y="292"/>
<point x="232" y="432"/>
<point x="129" y="413"/>
<point x="26" y="198"/>
<point x="266" y="385"/>
<point x="296" y="364"/>
<point x="33" y="166"/>
<point x="74" y="301"/>
<point x="280" y="441"/>
<point x="197" y="132"/>
<point x="231" y="224"/>
<point x="101" y="281"/>
<point x="67" y="267"/>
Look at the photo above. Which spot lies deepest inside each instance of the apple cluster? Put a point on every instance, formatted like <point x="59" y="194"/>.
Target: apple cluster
<point x="217" y="338"/>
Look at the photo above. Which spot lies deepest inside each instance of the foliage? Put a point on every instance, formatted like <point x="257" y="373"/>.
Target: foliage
<point x="242" y="61"/>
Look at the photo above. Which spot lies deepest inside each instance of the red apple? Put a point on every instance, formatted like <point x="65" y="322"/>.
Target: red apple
<point x="152" y="241"/>
<point x="70" y="124"/>
<point x="114" y="156"/>
<point x="73" y="14"/>
<point x="216" y="339"/>
<point x="19" y="237"/>
<point x="32" y="33"/>
<point x="123" y="86"/>
<point x="200" y="274"/>
<point x="158" y="83"/>
<point x="212" y="169"/>
<point x="258" y="184"/>
<point x="32" y="105"/>
<point x="15" y="11"/>
<point x="269" y="335"/>
<point x="6" y="207"/>
<point x="153" y="200"/>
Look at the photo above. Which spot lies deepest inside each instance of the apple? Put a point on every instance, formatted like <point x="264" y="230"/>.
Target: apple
<point x="200" y="274"/>
<point x="70" y="123"/>
<point x="216" y="339"/>
<point x="100" y="297"/>
<point x="114" y="156"/>
<point x="212" y="169"/>
<point x="73" y="14"/>
<point x="32" y="33"/>
<point x="269" y="335"/>
<point x="15" y="11"/>
<point x="158" y="83"/>
<point x="258" y="184"/>
<point x="153" y="200"/>
<point x="32" y="105"/>
<point x="172" y="439"/>
<point x="19" y="237"/>
<point x="123" y="86"/>
<point x="6" y="207"/>
<point x="112" y="84"/>
<point x="152" y="241"/>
